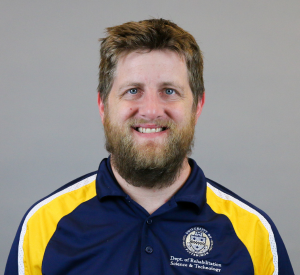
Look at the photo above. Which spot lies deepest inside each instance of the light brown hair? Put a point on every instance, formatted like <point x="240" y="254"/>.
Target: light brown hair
<point x="152" y="34"/>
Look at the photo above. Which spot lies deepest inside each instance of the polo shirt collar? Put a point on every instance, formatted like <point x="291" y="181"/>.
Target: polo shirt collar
<point x="193" y="191"/>
<point x="106" y="183"/>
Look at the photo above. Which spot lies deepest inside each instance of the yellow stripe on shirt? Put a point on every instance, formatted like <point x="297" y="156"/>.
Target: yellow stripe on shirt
<point x="251" y="228"/>
<point x="41" y="222"/>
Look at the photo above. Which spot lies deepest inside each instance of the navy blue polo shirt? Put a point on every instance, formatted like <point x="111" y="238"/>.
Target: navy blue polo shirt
<point x="90" y="226"/>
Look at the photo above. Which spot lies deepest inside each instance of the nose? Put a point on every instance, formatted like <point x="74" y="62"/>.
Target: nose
<point x="151" y="106"/>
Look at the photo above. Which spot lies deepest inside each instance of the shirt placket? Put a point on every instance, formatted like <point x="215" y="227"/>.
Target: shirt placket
<point x="150" y="260"/>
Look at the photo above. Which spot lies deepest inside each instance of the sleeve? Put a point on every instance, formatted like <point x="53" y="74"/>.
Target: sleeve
<point x="40" y="222"/>
<point x="254" y="228"/>
<point x="12" y="261"/>
<point x="284" y="263"/>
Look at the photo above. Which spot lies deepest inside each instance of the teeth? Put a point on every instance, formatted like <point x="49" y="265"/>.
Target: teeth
<point x="149" y="130"/>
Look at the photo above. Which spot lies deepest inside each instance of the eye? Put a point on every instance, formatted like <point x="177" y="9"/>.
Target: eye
<point x="133" y="91"/>
<point x="170" y="91"/>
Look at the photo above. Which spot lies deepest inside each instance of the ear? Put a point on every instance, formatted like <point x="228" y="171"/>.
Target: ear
<point x="101" y="107"/>
<point x="200" y="107"/>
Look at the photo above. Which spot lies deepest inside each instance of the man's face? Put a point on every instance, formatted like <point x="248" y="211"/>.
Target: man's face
<point x="149" y="118"/>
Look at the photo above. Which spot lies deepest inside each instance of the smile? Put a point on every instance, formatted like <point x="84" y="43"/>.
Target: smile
<point x="150" y="130"/>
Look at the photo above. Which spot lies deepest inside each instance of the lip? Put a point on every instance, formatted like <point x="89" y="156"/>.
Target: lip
<point x="150" y="135"/>
<point x="151" y="126"/>
<point x="145" y="128"/>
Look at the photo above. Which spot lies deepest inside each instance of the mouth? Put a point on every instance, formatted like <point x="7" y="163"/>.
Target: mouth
<point x="149" y="130"/>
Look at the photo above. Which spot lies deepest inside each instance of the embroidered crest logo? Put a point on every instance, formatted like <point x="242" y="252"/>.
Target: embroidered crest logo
<point x="197" y="241"/>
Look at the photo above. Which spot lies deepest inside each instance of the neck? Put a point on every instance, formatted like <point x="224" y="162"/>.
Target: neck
<point x="152" y="199"/>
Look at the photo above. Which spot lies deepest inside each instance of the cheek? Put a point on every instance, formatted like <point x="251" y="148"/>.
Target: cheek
<point x="179" y="115"/>
<point x="124" y="111"/>
<point x="120" y="110"/>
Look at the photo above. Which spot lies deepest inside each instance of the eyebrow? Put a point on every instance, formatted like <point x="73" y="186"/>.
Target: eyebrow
<point x="170" y="83"/>
<point x="139" y="84"/>
<point x="131" y="84"/>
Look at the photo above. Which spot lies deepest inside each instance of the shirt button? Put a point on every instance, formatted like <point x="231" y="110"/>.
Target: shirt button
<point x="149" y="221"/>
<point x="149" y="249"/>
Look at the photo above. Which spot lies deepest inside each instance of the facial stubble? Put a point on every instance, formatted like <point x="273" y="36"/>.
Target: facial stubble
<point x="149" y="164"/>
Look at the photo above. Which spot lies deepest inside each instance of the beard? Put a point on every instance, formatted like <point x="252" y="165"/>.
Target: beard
<point x="148" y="164"/>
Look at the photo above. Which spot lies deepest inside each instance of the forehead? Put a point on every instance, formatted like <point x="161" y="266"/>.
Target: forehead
<point x="146" y="55"/>
<point x="161" y="64"/>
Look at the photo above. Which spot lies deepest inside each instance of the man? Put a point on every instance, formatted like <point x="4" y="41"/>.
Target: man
<point x="148" y="209"/>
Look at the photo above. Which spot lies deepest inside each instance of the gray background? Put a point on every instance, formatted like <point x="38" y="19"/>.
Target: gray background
<point x="248" y="134"/>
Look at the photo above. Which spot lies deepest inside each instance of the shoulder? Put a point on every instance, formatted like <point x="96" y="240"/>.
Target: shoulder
<point x="243" y="215"/>
<point x="216" y="193"/>
<point x="69" y="195"/>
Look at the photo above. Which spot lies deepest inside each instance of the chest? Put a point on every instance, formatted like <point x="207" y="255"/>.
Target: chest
<point x="128" y="241"/>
